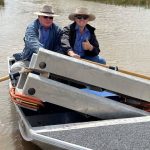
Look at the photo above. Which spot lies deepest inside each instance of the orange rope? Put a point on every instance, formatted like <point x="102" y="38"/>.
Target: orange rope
<point x="25" y="105"/>
<point x="25" y="100"/>
<point x="25" y="97"/>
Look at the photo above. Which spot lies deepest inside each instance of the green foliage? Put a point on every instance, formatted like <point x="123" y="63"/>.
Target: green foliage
<point x="145" y="3"/>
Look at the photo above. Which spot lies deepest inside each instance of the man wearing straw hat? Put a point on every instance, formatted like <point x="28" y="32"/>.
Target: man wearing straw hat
<point x="78" y="39"/>
<point x="42" y="32"/>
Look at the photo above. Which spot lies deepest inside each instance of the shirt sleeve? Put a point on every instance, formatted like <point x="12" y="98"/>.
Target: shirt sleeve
<point x="65" y="44"/>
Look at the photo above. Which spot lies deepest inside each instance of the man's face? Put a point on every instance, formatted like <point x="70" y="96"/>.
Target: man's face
<point x="46" y="21"/>
<point x="81" y="20"/>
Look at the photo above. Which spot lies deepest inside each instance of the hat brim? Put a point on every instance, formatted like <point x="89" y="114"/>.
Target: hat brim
<point x="72" y="16"/>
<point x="45" y="14"/>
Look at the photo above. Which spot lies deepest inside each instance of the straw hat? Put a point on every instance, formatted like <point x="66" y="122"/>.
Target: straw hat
<point x="81" y="11"/>
<point x="46" y="11"/>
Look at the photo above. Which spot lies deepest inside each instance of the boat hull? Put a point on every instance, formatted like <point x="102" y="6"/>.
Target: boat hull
<point x="56" y="127"/>
<point x="110" y="134"/>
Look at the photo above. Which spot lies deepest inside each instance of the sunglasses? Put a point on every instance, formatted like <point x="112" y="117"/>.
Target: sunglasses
<point x="47" y="17"/>
<point x="82" y="17"/>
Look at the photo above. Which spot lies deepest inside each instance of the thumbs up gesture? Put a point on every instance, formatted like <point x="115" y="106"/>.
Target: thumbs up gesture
<point x="87" y="46"/>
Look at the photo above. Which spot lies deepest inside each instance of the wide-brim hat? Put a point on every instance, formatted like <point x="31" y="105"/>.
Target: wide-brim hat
<point x="46" y="11"/>
<point x="82" y="11"/>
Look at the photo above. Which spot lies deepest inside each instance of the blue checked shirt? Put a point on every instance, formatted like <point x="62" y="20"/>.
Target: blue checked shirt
<point x="44" y="36"/>
<point x="78" y="48"/>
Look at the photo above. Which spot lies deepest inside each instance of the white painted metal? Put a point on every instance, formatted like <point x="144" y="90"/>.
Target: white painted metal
<point x="75" y="99"/>
<point x="93" y="74"/>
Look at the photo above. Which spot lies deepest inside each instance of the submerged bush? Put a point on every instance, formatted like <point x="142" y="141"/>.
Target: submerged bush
<point x="1" y="2"/>
<point x="145" y="3"/>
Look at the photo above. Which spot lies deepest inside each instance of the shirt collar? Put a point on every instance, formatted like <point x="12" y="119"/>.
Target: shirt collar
<point x="42" y="27"/>
<point x="77" y="28"/>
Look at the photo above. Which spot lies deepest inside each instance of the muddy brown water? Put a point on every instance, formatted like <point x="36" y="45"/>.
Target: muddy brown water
<point x="123" y="34"/>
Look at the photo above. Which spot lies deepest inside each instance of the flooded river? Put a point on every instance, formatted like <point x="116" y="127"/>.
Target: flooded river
<point x="123" y="34"/>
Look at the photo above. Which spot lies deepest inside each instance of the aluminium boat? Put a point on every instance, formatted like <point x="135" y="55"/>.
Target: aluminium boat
<point x="66" y="103"/>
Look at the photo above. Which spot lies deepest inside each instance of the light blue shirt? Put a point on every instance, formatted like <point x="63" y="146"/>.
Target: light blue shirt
<point x="80" y="37"/>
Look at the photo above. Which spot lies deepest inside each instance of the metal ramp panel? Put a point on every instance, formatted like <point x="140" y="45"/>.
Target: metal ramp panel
<point x="93" y="74"/>
<point x="76" y="99"/>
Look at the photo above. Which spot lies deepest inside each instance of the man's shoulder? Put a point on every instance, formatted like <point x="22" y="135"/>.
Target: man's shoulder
<point x="70" y="26"/>
<point x="56" y="26"/>
<point x="91" y="28"/>
<point x="34" y="23"/>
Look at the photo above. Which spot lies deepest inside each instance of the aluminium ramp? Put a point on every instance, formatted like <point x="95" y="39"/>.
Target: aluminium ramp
<point x="76" y="99"/>
<point x="93" y="74"/>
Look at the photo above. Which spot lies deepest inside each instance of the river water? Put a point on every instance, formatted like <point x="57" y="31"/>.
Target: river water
<point x="123" y="34"/>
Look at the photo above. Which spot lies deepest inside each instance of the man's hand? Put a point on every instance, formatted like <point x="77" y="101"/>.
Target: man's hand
<point x="87" y="46"/>
<point x="72" y="54"/>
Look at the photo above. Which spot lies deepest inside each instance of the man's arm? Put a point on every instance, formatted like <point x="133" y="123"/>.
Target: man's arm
<point x="31" y="38"/>
<point x="65" y="44"/>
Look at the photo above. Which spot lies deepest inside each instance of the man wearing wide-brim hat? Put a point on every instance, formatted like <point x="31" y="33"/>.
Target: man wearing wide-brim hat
<point x="78" y="39"/>
<point x="42" y="32"/>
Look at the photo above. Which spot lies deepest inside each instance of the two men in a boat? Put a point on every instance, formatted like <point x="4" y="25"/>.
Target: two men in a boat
<point x="76" y="40"/>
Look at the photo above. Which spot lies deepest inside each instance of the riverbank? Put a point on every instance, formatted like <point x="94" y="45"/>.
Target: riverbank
<point x="143" y="3"/>
<point x="1" y="2"/>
